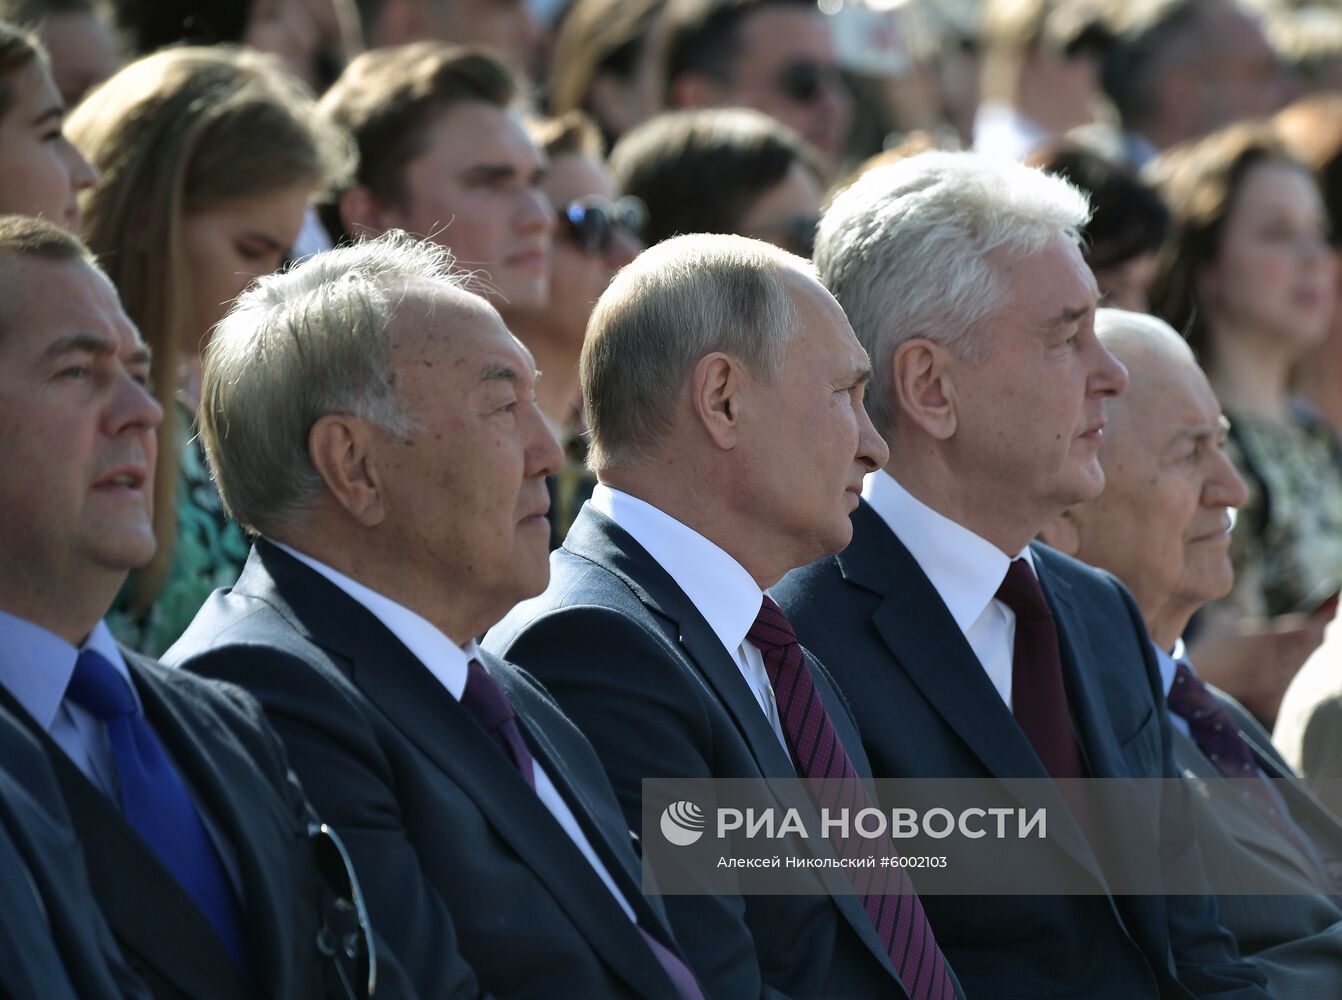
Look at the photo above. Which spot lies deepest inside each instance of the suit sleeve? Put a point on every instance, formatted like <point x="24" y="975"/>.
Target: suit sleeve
<point x="329" y="743"/>
<point x="1206" y="958"/>
<point x="634" y="700"/>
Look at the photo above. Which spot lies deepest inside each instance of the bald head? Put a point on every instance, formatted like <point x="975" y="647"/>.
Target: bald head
<point x="1162" y="524"/>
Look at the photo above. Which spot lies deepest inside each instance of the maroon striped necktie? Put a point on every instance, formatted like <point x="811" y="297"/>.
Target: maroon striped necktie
<point x="887" y="895"/>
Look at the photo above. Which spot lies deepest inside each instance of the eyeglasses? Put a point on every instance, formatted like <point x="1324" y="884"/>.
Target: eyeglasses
<point x="592" y="223"/>
<point x="805" y="81"/>
<point x="345" y="935"/>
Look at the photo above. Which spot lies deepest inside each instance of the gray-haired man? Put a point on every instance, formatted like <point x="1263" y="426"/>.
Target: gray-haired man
<point x="390" y="454"/>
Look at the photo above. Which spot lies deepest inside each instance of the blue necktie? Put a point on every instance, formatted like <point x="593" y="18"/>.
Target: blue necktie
<point x="155" y="802"/>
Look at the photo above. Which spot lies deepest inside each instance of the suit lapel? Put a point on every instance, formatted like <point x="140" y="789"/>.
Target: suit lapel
<point x="223" y="781"/>
<point x="147" y="909"/>
<point x="597" y="538"/>
<point x="917" y="627"/>
<point x="424" y="711"/>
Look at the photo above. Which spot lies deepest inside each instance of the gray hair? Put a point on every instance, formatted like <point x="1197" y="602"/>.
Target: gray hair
<point x="677" y="302"/>
<point x="300" y="345"/>
<point x="905" y="251"/>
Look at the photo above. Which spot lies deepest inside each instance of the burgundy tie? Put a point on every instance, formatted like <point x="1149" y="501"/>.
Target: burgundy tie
<point x="1216" y="733"/>
<point x="484" y="699"/>
<point x="1038" y="695"/>
<point x="886" y="893"/>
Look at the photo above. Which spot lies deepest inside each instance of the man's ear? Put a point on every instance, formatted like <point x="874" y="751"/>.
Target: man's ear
<point x="1063" y="533"/>
<point x="340" y="447"/>
<point x="695" y="90"/>
<point x="362" y="213"/>
<point x="716" y="398"/>
<point x="924" y="382"/>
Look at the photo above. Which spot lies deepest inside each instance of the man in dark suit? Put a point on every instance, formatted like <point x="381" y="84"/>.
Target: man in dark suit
<point x="392" y="458"/>
<point x="967" y="652"/>
<point x="195" y="833"/>
<point x="1162" y="526"/>
<point x="52" y="943"/>
<point x="723" y="391"/>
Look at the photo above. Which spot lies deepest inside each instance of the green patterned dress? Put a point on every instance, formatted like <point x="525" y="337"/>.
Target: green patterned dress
<point x="209" y="553"/>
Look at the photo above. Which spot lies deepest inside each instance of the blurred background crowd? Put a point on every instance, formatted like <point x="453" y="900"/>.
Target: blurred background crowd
<point x="194" y="144"/>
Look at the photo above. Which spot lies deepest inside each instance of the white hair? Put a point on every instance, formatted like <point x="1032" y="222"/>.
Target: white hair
<point x="297" y="346"/>
<point x="905" y="251"/>
<point x="675" y="303"/>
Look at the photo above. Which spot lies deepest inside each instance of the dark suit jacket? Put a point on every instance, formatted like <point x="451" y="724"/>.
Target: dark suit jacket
<point x="633" y="662"/>
<point x="927" y="709"/>
<point x="1295" y="937"/>
<point x="468" y="875"/>
<point x="53" y="944"/>
<point x="235" y="764"/>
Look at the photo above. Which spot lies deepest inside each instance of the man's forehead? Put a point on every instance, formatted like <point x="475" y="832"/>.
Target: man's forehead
<point x="495" y="134"/>
<point x="47" y="299"/>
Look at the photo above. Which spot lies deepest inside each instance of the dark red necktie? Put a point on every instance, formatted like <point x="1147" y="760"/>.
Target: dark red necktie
<point x="484" y="699"/>
<point x="887" y="895"/>
<point x="1038" y="695"/>
<point x="1216" y="733"/>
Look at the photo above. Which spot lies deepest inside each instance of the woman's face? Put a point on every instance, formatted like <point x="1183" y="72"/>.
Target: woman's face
<point x="577" y="276"/>
<point x="41" y="172"/>
<point x="228" y="245"/>
<point x="1273" y="277"/>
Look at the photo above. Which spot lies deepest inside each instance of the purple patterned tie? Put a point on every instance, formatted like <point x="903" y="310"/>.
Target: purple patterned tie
<point x="1216" y="733"/>
<point x="484" y="699"/>
<point x="1038" y="695"/>
<point x="887" y="895"/>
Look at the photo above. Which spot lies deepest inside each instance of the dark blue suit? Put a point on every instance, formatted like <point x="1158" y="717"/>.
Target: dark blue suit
<point x="927" y="709"/>
<point x="637" y="667"/>
<point x="467" y="873"/>
<point x="53" y="943"/>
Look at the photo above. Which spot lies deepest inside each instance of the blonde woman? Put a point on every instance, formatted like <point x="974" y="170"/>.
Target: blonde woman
<point x="208" y="159"/>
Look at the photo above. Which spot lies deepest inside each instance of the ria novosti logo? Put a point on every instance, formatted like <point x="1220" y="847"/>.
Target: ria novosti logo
<point x="683" y="823"/>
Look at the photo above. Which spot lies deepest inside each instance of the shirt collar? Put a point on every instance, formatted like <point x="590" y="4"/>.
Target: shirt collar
<point x="716" y="584"/>
<point x="36" y="665"/>
<point x="440" y="655"/>
<point x="965" y="569"/>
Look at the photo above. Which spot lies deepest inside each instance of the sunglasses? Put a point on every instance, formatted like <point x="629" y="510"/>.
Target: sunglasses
<point x="806" y="81"/>
<point x="592" y="223"/>
<point x="345" y="936"/>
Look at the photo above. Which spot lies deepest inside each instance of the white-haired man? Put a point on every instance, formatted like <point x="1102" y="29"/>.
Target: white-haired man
<point x="965" y="651"/>
<point x="1162" y="526"/>
<point x="724" y="396"/>
<point x="391" y="457"/>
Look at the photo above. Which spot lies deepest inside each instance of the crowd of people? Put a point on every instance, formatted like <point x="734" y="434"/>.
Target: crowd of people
<point x="426" y="421"/>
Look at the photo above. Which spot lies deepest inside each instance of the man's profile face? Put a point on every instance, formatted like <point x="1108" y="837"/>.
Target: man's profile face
<point x="1030" y="415"/>
<point x="465" y="489"/>
<point x="77" y="423"/>
<point x="475" y="189"/>
<point x="787" y="69"/>
<point x="811" y="442"/>
<point x="1162" y="524"/>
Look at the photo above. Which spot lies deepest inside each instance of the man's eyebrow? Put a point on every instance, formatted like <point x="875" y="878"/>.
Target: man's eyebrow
<point x="1070" y="315"/>
<point x="92" y="343"/>
<point x="496" y="371"/>
<point x="491" y="171"/>
<point x="859" y="375"/>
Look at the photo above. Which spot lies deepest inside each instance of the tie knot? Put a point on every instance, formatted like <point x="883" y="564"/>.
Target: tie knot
<point x="484" y="699"/>
<point x="99" y="688"/>
<point x="771" y="630"/>
<point x="1020" y="592"/>
<point x="1189" y="698"/>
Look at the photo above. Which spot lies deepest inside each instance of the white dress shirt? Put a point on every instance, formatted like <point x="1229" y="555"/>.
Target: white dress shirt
<point x="965" y="570"/>
<point x="716" y="584"/>
<point x="447" y="662"/>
